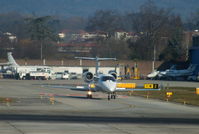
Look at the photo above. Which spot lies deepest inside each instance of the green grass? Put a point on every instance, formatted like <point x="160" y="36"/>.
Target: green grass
<point x="2" y="100"/>
<point x="180" y="95"/>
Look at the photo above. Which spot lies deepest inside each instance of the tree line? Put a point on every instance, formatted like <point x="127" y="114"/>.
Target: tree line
<point x="159" y="30"/>
<point x="160" y="33"/>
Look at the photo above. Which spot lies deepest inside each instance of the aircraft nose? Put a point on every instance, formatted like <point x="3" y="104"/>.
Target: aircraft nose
<point x="110" y="86"/>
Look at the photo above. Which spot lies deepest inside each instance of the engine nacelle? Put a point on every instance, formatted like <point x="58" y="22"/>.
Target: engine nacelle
<point x="88" y="76"/>
<point x="113" y="73"/>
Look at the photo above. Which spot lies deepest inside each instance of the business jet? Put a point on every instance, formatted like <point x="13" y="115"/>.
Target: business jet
<point x="105" y="83"/>
<point x="178" y="73"/>
<point x="23" y="70"/>
<point x="173" y="73"/>
<point x="10" y="62"/>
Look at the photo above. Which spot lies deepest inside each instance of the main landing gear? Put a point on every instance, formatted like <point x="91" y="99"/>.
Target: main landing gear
<point x="89" y="95"/>
<point x="111" y="96"/>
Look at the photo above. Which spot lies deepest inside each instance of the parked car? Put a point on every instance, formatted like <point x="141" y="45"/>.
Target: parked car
<point x="61" y="75"/>
<point x="65" y="75"/>
<point x="73" y="75"/>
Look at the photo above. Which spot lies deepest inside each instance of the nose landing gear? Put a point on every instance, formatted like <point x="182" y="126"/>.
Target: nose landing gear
<point x="112" y="96"/>
<point x="89" y="95"/>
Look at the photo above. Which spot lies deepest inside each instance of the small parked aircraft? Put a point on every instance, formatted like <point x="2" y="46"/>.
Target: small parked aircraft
<point x="22" y="71"/>
<point x="173" y="73"/>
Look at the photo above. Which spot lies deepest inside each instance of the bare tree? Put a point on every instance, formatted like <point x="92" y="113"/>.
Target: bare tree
<point x="112" y="48"/>
<point x="107" y="21"/>
<point x="154" y="25"/>
<point x="194" y="21"/>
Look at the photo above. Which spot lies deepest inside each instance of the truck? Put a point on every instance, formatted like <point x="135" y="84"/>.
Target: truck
<point x="33" y="73"/>
<point x="36" y="75"/>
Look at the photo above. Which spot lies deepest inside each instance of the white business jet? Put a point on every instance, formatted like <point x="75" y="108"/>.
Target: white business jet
<point x="106" y="83"/>
<point x="11" y="61"/>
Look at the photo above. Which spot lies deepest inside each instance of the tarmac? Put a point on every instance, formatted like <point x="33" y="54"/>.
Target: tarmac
<point x="32" y="108"/>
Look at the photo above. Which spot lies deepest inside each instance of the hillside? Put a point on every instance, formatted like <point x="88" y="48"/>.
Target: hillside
<point x="69" y="8"/>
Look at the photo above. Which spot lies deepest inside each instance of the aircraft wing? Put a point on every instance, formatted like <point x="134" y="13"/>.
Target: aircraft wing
<point x="72" y="87"/>
<point x="136" y="89"/>
<point x="82" y="88"/>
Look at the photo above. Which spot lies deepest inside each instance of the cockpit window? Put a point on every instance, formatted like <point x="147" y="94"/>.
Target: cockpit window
<point x="105" y="78"/>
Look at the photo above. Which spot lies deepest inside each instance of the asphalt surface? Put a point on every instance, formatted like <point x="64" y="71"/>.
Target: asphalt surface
<point x="31" y="111"/>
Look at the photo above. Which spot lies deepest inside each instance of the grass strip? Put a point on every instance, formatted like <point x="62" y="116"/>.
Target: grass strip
<point x="182" y="95"/>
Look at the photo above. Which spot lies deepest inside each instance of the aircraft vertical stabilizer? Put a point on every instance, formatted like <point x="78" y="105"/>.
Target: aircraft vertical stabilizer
<point x="11" y="60"/>
<point x="96" y="59"/>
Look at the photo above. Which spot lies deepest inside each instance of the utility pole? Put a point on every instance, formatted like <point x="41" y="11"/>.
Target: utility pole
<point x="154" y="58"/>
<point x="41" y="53"/>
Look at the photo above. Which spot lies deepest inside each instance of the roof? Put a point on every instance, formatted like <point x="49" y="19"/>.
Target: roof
<point x="76" y="45"/>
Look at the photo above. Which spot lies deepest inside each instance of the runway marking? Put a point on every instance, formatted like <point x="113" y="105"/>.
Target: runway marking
<point x="129" y="105"/>
<point x="125" y="105"/>
<point x="13" y="126"/>
<point x="118" y="129"/>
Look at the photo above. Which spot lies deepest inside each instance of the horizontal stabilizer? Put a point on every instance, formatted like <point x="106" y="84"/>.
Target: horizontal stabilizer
<point x="96" y="58"/>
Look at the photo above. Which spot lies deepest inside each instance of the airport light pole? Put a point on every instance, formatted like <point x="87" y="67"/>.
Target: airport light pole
<point x="154" y="58"/>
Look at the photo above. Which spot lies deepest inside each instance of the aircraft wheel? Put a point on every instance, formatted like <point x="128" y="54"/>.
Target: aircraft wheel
<point x="89" y="96"/>
<point x="109" y="97"/>
<point x="114" y="96"/>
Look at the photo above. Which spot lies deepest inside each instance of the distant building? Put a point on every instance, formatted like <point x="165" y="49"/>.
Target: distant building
<point x="62" y="35"/>
<point x="190" y="38"/>
<point x="76" y="48"/>
<point x="187" y="39"/>
<point x="85" y="36"/>
<point x="122" y="35"/>
<point x="88" y="36"/>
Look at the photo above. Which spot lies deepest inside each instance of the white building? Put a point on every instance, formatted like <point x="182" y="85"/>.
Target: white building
<point x="80" y="70"/>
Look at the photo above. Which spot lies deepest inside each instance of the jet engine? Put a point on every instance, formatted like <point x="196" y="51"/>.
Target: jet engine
<point x="113" y="73"/>
<point x="88" y="77"/>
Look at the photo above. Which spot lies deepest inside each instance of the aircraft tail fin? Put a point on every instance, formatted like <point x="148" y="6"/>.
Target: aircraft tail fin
<point x="97" y="59"/>
<point x="11" y="60"/>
